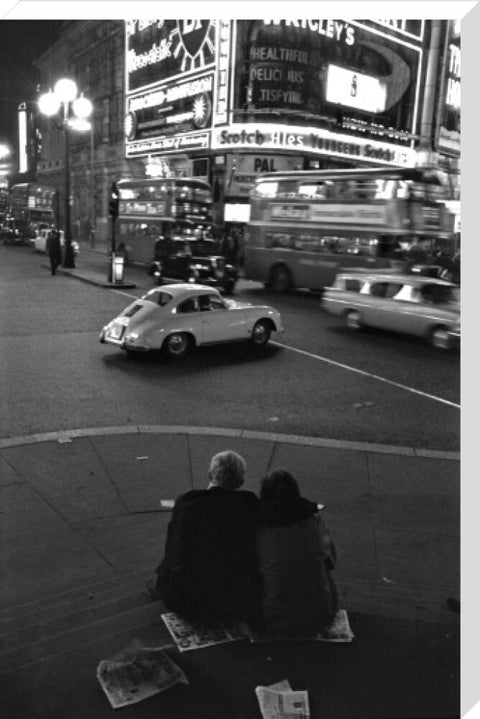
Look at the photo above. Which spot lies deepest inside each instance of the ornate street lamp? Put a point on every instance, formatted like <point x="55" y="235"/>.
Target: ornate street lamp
<point x="75" y="111"/>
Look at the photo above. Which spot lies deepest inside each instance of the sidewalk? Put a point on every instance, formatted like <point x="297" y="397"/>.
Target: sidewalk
<point x="93" y="265"/>
<point x="82" y="529"/>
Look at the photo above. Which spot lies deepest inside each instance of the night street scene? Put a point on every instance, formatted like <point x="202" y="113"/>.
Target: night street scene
<point x="230" y="426"/>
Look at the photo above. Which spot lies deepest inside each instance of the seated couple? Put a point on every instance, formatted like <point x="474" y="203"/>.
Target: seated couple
<point x="232" y="556"/>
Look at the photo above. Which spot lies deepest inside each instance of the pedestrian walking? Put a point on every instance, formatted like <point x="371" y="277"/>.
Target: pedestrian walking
<point x="87" y="231"/>
<point x="54" y="250"/>
<point x="76" y="230"/>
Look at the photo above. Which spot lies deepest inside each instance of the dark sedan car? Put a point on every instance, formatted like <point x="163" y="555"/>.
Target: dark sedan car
<point x="192" y="260"/>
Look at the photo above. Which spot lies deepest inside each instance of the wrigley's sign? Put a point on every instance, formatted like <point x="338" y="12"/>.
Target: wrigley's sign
<point x="262" y="136"/>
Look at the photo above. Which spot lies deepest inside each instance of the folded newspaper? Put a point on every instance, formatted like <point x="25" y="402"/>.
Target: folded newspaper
<point x="136" y="674"/>
<point x="337" y="631"/>
<point x="280" y="701"/>
<point x="195" y="635"/>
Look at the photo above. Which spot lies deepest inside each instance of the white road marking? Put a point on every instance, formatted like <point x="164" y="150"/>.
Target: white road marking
<point x="126" y="294"/>
<point x="368" y="374"/>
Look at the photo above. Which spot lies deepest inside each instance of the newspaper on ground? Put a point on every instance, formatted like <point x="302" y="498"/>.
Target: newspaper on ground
<point x="280" y="701"/>
<point x="196" y="635"/>
<point x="337" y="631"/>
<point x="136" y="674"/>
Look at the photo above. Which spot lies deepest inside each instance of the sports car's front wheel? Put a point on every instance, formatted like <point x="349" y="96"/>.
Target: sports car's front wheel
<point x="177" y="345"/>
<point x="261" y="333"/>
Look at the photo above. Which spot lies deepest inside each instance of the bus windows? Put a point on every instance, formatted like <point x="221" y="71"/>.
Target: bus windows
<point x="278" y="240"/>
<point x="309" y="243"/>
<point x="266" y="189"/>
<point x="315" y="190"/>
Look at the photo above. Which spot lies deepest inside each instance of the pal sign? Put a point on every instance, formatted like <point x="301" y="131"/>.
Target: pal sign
<point x="243" y="170"/>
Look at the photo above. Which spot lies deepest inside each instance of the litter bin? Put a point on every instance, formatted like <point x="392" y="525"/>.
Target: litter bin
<point x="117" y="267"/>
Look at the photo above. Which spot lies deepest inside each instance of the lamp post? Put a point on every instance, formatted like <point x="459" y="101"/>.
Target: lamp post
<point x="75" y="111"/>
<point x="93" y="218"/>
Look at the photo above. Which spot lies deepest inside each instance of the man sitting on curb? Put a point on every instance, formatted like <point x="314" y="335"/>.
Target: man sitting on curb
<point x="209" y="570"/>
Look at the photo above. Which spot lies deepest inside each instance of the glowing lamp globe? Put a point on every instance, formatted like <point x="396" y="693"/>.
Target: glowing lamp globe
<point x="48" y="103"/>
<point x="66" y="90"/>
<point x="82" y="107"/>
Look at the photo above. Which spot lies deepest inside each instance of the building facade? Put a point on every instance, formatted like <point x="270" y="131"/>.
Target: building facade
<point x="91" y="53"/>
<point x="226" y="100"/>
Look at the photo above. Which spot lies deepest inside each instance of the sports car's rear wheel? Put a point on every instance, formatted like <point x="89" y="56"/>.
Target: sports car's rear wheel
<point x="261" y="333"/>
<point x="228" y="287"/>
<point x="131" y="354"/>
<point x="440" y="339"/>
<point x="353" y="320"/>
<point x="177" y="345"/>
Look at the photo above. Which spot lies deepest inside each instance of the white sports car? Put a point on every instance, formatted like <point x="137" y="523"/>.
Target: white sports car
<point x="178" y="317"/>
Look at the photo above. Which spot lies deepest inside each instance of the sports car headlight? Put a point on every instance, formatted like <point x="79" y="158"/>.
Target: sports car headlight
<point x="132" y="336"/>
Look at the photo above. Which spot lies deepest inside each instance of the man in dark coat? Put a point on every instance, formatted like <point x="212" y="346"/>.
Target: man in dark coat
<point x="54" y="250"/>
<point x="209" y="571"/>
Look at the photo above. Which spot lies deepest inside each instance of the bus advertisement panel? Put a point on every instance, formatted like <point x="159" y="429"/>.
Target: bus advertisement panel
<point x="304" y="226"/>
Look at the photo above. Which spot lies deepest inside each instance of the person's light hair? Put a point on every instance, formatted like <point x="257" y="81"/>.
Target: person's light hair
<point x="227" y="470"/>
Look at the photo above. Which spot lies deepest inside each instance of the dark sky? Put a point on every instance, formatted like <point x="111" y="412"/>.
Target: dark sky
<point x="21" y="42"/>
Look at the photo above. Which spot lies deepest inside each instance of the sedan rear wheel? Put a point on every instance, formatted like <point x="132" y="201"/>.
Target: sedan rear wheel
<point x="261" y="333"/>
<point x="177" y="345"/>
<point x="440" y="339"/>
<point x="353" y="320"/>
<point x="280" y="279"/>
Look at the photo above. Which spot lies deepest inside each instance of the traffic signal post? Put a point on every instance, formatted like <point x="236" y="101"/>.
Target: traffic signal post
<point x="116" y="265"/>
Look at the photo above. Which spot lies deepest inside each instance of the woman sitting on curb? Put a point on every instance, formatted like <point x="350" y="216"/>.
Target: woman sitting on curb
<point x="296" y="557"/>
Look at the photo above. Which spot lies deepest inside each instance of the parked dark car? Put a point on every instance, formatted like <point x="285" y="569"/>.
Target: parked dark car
<point x="444" y="267"/>
<point x="16" y="232"/>
<point x="192" y="260"/>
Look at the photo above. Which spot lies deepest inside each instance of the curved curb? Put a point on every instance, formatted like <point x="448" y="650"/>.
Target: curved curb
<point x="70" y="434"/>
<point x="94" y="281"/>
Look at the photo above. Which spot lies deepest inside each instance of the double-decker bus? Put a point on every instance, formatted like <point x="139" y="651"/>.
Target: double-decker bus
<point x="4" y="203"/>
<point x="305" y="225"/>
<point x="159" y="207"/>
<point x="32" y="204"/>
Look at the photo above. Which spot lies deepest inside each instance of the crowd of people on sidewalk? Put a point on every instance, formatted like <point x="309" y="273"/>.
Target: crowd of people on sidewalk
<point x="230" y="555"/>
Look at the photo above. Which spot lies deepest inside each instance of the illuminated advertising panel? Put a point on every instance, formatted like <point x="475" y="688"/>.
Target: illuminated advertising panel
<point x="23" y="158"/>
<point x="243" y="169"/>
<point x="358" y="76"/>
<point x="263" y="137"/>
<point x="449" y="101"/>
<point x="163" y="49"/>
<point x="407" y="28"/>
<point x="170" y="80"/>
<point x="172" y="108"/>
